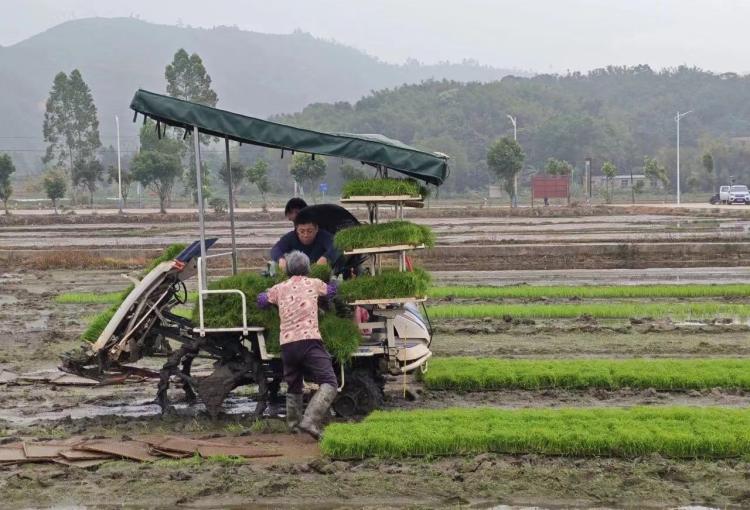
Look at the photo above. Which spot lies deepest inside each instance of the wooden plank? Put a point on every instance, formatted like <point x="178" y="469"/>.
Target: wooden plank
<point x="171" y="455"/>
<point x="76" y="455"/>
<point x="12" y="455"/>
<point x="183" y="444"/>
<point x="385" y="249"/>
<point x="81" y="463"/>
<point x="134" y="450"/>
<point x="42" y="451"/>
<point x="390" y="301"/>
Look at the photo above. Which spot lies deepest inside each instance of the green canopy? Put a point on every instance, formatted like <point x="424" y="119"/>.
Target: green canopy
<point x="372" y="149"/>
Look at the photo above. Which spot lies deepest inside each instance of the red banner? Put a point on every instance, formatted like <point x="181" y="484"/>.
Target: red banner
<point x="548" y="186"/>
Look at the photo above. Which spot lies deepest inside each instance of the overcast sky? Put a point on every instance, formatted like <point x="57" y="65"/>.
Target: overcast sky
<point x="537" y="35"/>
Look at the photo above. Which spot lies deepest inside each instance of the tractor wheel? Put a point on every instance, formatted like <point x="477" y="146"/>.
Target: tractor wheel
<point x="361" y="395"/>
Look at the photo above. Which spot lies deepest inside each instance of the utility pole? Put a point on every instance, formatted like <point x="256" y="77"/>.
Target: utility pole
<point x="119" y="168"/>
<point x="677" y="120"/>
<point x="514" y="202"/>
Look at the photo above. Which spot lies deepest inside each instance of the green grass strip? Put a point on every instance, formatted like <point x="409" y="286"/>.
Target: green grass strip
<point x="597" y="291"/>
<point x="389" y="283"/>
<point x="672" y="431"/>
<point x="475" y="374"/>
<point x="393" y="233"/>
<point x="382" y="187"/>
<point x="596" y="310"/>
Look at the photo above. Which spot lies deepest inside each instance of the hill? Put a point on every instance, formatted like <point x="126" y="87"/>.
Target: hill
<point x="254" y="73"/>
<point x="619" y="113"/>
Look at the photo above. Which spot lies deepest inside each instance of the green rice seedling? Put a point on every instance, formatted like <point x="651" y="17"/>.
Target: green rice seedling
<point x="678" y="432"/>
<point x="85" y="298"/>
<point x="393" y="233"/>
<point x="475" y="374"/>
<point x="383" y="187"/>
<point x="98" y="323"/>
<point x="389" y="283"/>
<point x="597" y="310"/>
<point x="80" y="298"/>
<point x="592" y="292"/>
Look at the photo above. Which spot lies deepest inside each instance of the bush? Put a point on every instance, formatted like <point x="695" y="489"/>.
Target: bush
<point x="384" y="234"/>
<point x="219" y="205"/>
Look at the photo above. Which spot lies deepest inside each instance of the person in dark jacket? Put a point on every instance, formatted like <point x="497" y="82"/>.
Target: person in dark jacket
<point x="308" y="238"/>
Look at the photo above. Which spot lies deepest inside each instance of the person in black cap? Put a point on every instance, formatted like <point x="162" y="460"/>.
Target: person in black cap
<point x="293" y="206"/>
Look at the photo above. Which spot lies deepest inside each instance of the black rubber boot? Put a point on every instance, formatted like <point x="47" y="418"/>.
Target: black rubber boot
<point x="317" y="410"/>
<point x="294" y="407"/>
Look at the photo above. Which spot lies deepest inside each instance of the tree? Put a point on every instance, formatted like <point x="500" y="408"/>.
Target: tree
<point x="505" y="159"/>
<point x="237" y="178"/>
<point x="708" y="165"/>
<point x="609" y="170"/>
<point x="7" y="168"/>
<point x="308" y="169"/>
<point x="70" y="124"/>
<point x="187" y="79"/>
<point x="113" y="177"/>
<point x="88" y="173"/>
<point x="656" y="173"/>
<point x="157" y="171"/>
<point x="558" y="167"/>
<point x="258" y="175"/>
<point x="55" y="187"/>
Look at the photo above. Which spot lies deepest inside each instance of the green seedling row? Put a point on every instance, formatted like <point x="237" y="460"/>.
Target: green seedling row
<point x="596" y="310"/>
<point x="592" y="292"/>
<point x="672" y="431"/>
<point x="475" y="374"/>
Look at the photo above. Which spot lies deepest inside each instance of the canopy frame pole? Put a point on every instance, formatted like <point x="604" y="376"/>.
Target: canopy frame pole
<point x="201" y="212"/>
<point x="231" y="207"/>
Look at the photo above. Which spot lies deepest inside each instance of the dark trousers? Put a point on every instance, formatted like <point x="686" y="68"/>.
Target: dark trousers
<point x="306" y="359"/>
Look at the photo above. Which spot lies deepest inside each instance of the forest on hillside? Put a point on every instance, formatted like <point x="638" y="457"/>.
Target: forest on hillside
<point x="617" y="114"/>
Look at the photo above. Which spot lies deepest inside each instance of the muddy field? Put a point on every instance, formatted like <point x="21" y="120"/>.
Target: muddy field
<point x="467" y="239"/>
<point x="35" y="331"/>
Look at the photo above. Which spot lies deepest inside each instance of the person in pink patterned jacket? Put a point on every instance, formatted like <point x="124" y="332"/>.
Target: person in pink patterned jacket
<point x="302" y="349"/>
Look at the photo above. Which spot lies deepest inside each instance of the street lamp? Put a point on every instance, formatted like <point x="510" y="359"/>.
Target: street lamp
<point x="515" y="177"/>
<point x="677" y="120"/>
<point x="119" y="169"/>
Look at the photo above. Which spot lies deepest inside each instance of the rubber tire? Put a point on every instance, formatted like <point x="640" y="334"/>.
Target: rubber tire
<point x="361" y="389"/>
